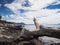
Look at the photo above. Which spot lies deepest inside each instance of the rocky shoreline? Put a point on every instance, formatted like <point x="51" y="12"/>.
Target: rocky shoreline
<point x="13" y="36"/>
<point x="17" y="35"/>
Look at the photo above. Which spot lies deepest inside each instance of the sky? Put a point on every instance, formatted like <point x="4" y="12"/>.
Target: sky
<point x="45" y="11"/>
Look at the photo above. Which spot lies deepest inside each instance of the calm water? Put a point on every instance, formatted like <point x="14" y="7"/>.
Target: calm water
<point x="32" y="27"/>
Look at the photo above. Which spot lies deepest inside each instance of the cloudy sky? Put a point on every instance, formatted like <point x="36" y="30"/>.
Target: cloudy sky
<point x="46" y="11"/>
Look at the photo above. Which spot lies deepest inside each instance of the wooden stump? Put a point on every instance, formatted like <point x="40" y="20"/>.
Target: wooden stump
<point x="37" y="42"/>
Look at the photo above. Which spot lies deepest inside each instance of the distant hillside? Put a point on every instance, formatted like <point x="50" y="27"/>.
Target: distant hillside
<point x="20" y="23"/>
<point x="4" y="22"/>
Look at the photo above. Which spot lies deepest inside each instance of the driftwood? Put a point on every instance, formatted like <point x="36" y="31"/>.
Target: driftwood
<point x="44" y="32"/>
<point x="17" y="37"/>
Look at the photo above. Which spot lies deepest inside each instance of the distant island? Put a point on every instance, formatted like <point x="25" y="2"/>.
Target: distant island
<point x="20" y="23"/>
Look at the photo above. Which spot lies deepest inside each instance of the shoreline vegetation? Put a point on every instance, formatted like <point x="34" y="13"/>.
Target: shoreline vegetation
<point x="11" y="34"/>
<point x="4" y="21"/>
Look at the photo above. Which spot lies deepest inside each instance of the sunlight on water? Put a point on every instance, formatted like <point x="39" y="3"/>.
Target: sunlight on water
<point x="30" y="27"/>
<point x="33" y="28"/>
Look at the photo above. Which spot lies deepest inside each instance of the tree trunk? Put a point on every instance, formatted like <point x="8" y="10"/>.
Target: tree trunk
<point x="44" y="32"/>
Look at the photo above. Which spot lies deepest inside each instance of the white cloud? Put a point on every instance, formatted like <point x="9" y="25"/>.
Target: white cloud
<point x="18" y="19"/>
<point x="38" y="4"/>
<point x="45" y="15"/>
<point x="56" y="2"/>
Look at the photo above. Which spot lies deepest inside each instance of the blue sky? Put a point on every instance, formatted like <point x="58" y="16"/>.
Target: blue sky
<point x="46" y="11"/>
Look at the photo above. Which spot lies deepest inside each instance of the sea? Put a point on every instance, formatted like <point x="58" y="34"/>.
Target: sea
<point x="31" y="27"/>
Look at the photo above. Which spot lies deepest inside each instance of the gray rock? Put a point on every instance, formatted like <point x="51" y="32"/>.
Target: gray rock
<point x="49" y="40"/>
